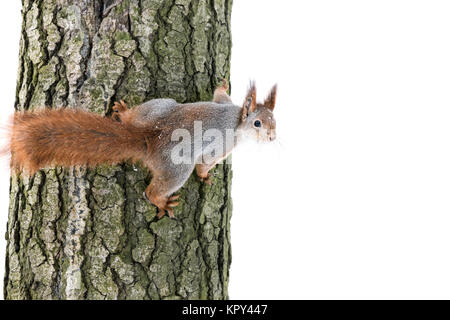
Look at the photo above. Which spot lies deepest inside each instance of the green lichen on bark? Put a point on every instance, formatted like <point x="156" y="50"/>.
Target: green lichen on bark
<point x="82" y="233"/>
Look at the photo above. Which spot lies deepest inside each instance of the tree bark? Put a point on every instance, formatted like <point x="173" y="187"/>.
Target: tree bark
<point x="88" y="233"/>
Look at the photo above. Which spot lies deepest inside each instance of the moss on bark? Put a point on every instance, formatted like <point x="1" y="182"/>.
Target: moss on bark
<point x="88" y="233"/>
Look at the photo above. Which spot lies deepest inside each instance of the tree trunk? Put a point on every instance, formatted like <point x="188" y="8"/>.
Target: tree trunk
<point x="88" y="233"/>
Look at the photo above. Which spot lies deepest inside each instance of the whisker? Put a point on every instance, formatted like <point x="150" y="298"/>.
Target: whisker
<point x="279" y="142"/>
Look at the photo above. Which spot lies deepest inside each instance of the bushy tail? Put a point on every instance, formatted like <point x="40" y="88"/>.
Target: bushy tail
<point x="72" y="137"/>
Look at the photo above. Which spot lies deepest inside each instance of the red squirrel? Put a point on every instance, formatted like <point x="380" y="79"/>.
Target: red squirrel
<point x="68" y="137"/>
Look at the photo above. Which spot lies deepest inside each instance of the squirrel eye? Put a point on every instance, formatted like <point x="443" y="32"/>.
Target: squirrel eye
<point x="257" y="123"/>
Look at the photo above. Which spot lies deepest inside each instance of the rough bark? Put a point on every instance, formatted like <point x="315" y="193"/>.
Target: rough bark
<point x="88" y="233"/>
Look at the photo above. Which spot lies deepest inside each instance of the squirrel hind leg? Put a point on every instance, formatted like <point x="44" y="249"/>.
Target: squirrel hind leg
<point x="160" y="199"/>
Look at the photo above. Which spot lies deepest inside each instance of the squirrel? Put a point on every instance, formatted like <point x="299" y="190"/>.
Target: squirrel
<point x="69" y="137"/>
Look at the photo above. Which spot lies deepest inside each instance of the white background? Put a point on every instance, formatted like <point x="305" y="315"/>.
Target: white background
<point x="353" y="200"/>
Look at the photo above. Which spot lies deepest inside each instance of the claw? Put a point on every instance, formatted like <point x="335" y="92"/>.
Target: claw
<point x="167" y="207"/>
<point x="170" y="212"/>
<point x="172" y="204"/>
<point x="161" y="213"/>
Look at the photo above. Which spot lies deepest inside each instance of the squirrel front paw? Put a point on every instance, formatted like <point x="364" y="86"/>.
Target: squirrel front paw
<point x="224" y="85"/>
<point x="120" y="106"/>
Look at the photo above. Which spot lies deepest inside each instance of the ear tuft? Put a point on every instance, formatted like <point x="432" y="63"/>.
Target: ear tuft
<point x="249" y="104"/>
<point x="271" y="98"/>
<point x="251" y="97"/>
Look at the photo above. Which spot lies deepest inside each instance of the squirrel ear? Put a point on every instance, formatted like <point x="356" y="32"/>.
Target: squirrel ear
<point x="271" y="98"/>
<point x="249" y="104"/>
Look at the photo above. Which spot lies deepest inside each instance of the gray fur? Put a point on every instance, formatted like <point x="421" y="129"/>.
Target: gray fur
<point x="228" y="121"/>
<point x="157" y="107"/>
<point x="168" y="115"/>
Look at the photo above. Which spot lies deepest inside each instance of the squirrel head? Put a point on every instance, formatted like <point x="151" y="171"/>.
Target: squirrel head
<point x="257" y="120"/>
